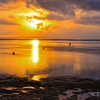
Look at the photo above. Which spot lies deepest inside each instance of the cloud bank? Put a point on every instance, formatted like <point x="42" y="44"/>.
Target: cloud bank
<point x="66" y="9"/>
<point x="55" y="15"/>
<point x="5" y="22"/>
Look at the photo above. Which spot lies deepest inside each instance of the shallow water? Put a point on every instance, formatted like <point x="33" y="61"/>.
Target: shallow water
<point x="56" y="59"/>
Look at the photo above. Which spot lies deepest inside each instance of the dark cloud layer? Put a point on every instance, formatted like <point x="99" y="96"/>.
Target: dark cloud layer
<point x="5" y="22"/>
<point x="62" y="6"/>
<point x="11" y="1"/>
<point x="90" y="20"/>
<point x="66" y="6"/>
<point x="4" y="1"/>
<point x="59" y="6"/>
<point x="53" y="16"/>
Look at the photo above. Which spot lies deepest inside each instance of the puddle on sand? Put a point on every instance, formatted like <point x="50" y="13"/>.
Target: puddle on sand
<point x="9" y="88"/>
<point x="28" y="88"/>
<point x="69" y="93"/>
<point x="23" y="91"/>
<point x="42" y="88"/>
<point x="15" y="93"/>
<point x="5" y="94"/>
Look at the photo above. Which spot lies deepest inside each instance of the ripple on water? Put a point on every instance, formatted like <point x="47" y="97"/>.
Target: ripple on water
<point x="28" y="88"/>
<point x="9" y="88"/>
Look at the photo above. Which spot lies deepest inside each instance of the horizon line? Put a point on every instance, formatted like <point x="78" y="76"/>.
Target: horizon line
<point x="58" y="39"/>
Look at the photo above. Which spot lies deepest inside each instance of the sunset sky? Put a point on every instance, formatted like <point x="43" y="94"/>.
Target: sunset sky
<point x="50" y="19"/>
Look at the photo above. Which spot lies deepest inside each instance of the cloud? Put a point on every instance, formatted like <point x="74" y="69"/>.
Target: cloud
<point x="61" y="9"/>
<point x="50" y="16"/>
<point x="85" y="4"/>
<point x="10" y="4"/>
<point x="91" y="5"/>
<point x="7" y="8"/>
<point x="11" y="1"/>
<point x="4" y="1"/>
<point x="59" y="6"/>
<point x="58" y="17"/>
<point x="47" y="28"/>
<point x="5" y="22"/>
<point x="39" y="25"/>
<point x="54" y="16"/>
<point x="11" y="16"/>
<point x="66" y="7"/>
<point x="39" y="17"/>
<point x="89" y="20"/>
<point x="56" y="6"/>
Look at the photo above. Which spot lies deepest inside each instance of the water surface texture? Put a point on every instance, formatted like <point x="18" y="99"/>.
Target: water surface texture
<point x="50" y="58"/>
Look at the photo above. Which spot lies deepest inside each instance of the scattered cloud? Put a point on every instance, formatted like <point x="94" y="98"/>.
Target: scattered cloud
<point x="54" y="16"/>
<point x="50" y="16"/>
<point x="58" y="17"/>
<point x="4" y="1"/>
<point x="11" y="16"/>
<point x="5" y="22"/>
<point x="39" y="25"/>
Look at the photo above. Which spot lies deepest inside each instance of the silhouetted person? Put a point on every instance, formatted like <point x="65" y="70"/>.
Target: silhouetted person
<point x="43" y="47"/>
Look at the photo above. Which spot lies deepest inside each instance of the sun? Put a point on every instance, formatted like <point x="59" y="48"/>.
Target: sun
<point x="34" y="23"/>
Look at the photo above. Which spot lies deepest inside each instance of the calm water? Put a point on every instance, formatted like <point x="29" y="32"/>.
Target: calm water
<point x="57" y="58"/>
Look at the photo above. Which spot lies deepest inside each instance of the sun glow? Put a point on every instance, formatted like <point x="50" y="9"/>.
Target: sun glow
<point x="34" y="23"/>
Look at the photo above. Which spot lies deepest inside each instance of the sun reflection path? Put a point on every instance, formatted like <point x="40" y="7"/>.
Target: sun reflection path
<point x="35" y="50"/>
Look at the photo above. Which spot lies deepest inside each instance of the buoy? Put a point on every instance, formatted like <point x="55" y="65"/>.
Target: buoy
<point x="13" y="53"/>
<point x="69" y="43"/>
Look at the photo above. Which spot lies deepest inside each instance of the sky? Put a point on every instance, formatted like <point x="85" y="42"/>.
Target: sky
<point x="50" y="19"/>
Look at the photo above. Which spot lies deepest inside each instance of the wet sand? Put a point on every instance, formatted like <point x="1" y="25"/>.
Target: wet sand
<point x="53" y="88"/>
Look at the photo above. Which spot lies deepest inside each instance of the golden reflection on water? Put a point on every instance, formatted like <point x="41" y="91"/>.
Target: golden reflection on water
<point x="42" y="88"/>
<point x="28" y="87"/>
<point x="35" y="50"/>
<point x="48" y="60"/>
<point x="38" y="77"/>
<point x="23" y="91"/>
<point x="77" y="64"/>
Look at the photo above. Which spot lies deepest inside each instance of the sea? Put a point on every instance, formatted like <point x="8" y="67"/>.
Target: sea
<point x="48" y="59"/>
